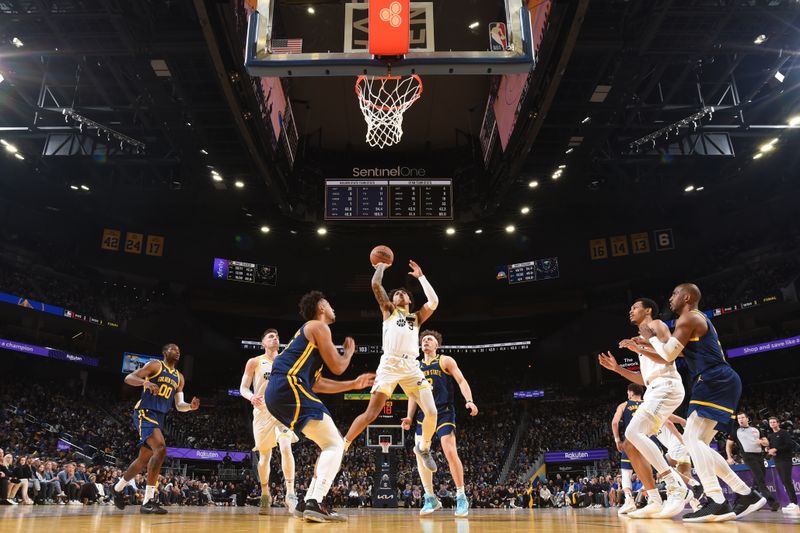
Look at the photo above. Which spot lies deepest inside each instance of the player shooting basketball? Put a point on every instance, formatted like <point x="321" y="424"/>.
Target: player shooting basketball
<point x="399" y="364"/>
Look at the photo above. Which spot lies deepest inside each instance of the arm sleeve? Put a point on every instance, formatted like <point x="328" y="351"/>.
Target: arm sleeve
<point x="181" y="405"/>
<point x="669" y="351"/>
<point x="430" y="294"/>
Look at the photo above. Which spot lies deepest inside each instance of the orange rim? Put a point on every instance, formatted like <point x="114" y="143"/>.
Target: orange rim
<point x="384" y="78"/>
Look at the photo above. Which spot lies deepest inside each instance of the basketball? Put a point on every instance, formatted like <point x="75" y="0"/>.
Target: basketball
<point x="381" y="254"/>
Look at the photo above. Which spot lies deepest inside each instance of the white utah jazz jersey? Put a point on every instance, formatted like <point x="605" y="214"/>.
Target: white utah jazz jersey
<point x="651" y="370"/>
<point x="261" y="378"/>
<point x="401" y="334"/>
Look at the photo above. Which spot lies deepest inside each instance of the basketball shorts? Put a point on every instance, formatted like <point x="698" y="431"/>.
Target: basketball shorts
<point x="267" y="430"/>
<point x="662" y="397"/>
<point x="404" y="371"/>
<point x="675" y="448"/>
<point x="145" y="421"/>
<point x="715" y="395"/>
<point x="446" y="421"/>
<point x="624" y="462"/>
<point x="293" y="403"/>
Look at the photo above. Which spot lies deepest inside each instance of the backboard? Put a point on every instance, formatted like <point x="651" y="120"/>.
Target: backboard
<point x="289" y="38"/>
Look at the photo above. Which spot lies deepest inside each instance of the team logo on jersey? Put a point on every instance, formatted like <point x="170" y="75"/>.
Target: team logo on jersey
<point x="401" y="322"/>
<point x="267" y="374"/>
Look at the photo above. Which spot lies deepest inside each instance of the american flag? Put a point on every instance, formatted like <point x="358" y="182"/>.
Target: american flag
<point x="287" y="46"/>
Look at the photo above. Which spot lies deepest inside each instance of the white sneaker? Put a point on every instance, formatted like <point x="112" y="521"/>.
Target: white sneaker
<point x="630" y="505"/>
<point x="677" y="497"/>
<point x="792" y="508"/>
<point x="653" y="507"/>
<point x="291" y="502"/>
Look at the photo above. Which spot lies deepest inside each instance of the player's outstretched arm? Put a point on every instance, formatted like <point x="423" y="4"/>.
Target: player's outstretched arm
<point x="247" y="381"/>
<point x="609" y="362"/>
<point x="433" y="300"/>
<point x="139" y="378"/>
<point x="615" y="425"/>
<point x="672" y="348"/>
<point x="380" y="293"/>
<point x="332" y="386"/>
<point x="320" y="334"/>
<point x="450" y="366"/>
<point x="181" y="405"/>
<point x="412" y="410"/>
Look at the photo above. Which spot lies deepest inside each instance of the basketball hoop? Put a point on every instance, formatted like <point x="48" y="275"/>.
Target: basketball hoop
<point x="383" y="100"/>
<point x="385" y="442"/>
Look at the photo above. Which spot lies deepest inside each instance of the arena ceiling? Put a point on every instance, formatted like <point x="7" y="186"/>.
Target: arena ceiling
<point x="169" y="74"/>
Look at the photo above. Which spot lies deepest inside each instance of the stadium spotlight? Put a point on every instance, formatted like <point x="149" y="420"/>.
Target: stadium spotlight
<point x="322" y="231"/>
<point x="794" y="121"/>
<point x="760" y="39"/>
<point x="264" y="229"/>
<point x="510" y="228"/>
<point x="533" y="184"/>
<point x="450" y="231"/>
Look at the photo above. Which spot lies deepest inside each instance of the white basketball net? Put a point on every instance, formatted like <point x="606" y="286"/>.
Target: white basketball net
<point x="383" y="100"/>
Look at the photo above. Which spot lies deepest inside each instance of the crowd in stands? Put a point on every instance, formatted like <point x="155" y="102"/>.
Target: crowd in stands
<point x="116" y="300"/>
<point x="34" y="415"/>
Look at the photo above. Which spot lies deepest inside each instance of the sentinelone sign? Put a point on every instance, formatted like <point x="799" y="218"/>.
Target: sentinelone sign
<point x="575" y="455"/>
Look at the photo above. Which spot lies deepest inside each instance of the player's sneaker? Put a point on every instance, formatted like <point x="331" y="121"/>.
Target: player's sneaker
<point x="266" y="504"/>
<point x="119" y="499"/>
<point x="698" y="491"/>
<point x="314" y="512"/>
<point x="744" y="505"/>
<point x="298" y="510"/>
<point x="335" y="517"/>
<point x="653" y="507"/>
<point x="462" y="505"/>
<point x="152" y="507"/>
<point x="791" y="509"/>
<point x="426" y="457"/>
<point x="628" y="507"/>
<point x="291" y="502"/>
<point x="430" y="504"/>
<point x="677" y="498"/>
<point x="711" y="512"/>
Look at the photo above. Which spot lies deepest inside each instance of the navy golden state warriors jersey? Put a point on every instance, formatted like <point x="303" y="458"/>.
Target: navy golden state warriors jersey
<point x="704" y="353"/>
<point x="299" y="361"/>
<point x="167" y="381"/>
<point x="630" y="409"/>
<point x="442" y="383"/>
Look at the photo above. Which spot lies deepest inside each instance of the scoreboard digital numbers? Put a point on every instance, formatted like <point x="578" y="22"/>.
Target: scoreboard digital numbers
<point x="388" y="199"/>
<point x="229" y="270"/>
<point x="536" y="270"/>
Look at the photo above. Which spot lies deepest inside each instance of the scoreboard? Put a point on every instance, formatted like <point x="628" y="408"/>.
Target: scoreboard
<point x="388" y="199"/>
<point x="229" y="270"/>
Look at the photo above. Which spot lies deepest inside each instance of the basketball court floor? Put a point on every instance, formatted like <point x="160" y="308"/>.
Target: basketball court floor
<point x="231" y="519"/>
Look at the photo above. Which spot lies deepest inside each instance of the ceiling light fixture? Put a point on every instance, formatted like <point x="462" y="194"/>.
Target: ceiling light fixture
<point x="73" y="187"/>
<point x="779" y="76"/>
<point x="569" y="150"/>
<point x="759" y="155"/>
<point x="322" y="231"/>
<point x="525" y="210"/>
<point x="264" y="229"/>
<point x="474" y="25"/>
<point x="19" y="156"/>
<point x="533" y="184"/>
<point x="689" y="188"/>
<point x="311" y="10"/>
<point x="561" y="167"/>
<point x="85" y="187"/>
<point x="216" y="177"/>
<point x="239" y="184"/>
<point x="766" y="147"/>
<point x="699" y="188"/>
<point x="450" y="231"/>
<point x="478" y="231"/>
<point x="204" y="151"/>
<point x="16" y="42"/>
<point x="794" y="121"/>
<point x="510" y="228"/>
<point x="11" y="148"/>
<point x="760" y="39"/>
<point x="586" y="119"/>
